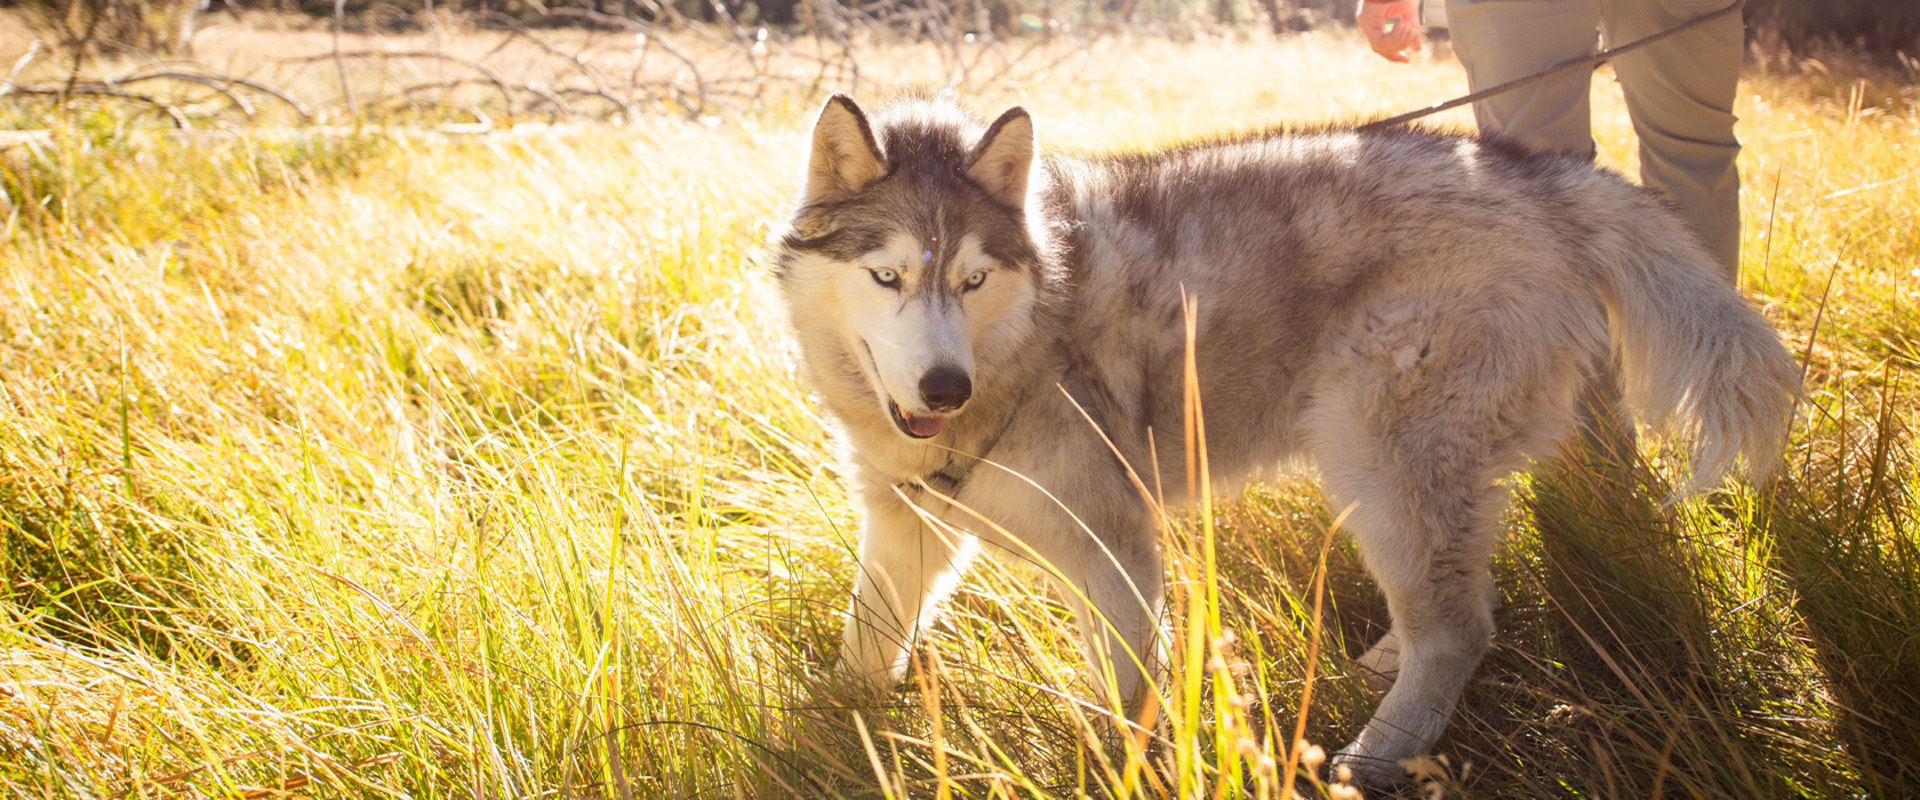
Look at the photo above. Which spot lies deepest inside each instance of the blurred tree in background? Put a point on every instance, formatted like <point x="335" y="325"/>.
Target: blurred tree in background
<point x="161" y="27"/>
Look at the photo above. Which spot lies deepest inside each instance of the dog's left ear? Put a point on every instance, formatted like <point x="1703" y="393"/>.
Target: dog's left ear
<point x="1004" y="158"/>
<point x="845" y="157"/>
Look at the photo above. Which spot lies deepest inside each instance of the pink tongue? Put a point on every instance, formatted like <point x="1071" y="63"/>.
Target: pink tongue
<point x="922" y="426"/>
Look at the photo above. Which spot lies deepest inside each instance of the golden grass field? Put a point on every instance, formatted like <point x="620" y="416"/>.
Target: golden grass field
<point x="392" y="463"/>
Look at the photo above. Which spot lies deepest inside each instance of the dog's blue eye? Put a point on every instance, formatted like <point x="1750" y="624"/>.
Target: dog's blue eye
<point x="974" y="280"/>
<point x="886" y="277"/>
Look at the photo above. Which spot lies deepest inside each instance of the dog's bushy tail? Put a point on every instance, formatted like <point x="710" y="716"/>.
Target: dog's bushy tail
<point x="1695" y="358"/>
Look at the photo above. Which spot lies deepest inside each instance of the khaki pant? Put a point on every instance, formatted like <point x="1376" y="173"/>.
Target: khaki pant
<point x="1679" y="93"/>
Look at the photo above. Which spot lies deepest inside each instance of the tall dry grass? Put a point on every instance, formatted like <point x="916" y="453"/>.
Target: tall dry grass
<point x="395" y="465"/>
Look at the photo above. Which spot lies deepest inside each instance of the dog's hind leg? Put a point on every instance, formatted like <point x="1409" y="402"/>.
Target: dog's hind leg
<point x="1430" y="557"/>
<point x="1425" y="508"/>
<point x="907" y="567"/>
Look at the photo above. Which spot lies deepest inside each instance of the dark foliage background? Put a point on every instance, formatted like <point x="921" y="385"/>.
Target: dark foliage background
<point x="1875" y="29"/>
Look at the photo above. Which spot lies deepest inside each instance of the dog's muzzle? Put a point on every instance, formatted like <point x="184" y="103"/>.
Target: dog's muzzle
<point x="944" y="390"/>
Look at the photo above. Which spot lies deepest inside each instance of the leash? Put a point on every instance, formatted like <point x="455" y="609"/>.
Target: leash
<point x="1585" y="61"/>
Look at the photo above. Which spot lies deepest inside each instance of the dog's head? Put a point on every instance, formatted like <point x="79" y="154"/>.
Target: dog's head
<point x="912" y="253"/>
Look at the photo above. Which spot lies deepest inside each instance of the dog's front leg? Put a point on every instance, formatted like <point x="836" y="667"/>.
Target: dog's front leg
<point x="1093" y="534"/>
<point x="1120" y="629"/>
<point x="906" y="568"/>
<point x="1115" y="588"/>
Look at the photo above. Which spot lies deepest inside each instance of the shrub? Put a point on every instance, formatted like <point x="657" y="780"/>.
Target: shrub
<point x="1878" y="31"/>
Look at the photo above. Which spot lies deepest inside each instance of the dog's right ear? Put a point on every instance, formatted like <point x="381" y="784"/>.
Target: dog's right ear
<point x="1003" y="160"/>
<point x="845" y="156"/>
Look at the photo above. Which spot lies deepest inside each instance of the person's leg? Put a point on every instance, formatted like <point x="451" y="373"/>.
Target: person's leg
<point x="1501" y="40"/>
<point x="1680" y="94"/>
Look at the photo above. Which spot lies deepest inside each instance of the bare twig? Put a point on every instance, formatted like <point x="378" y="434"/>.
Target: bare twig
<point x="1102" y="32"/>
<point x="593" y="74"/>
<point x="25" y="59"/>
<point x="451" y="84"/>
<point x="300" y="108"/>
<point x="486" y="72"/>
<point x="838" y="23"/>
<point x="223" y="87"/>
<point x="340" y="61"/>
<point x="100" y="90"/>
<point x="117" y="88"/>
<point x="81" y="47"/>
<point x="652" y="37"/>
<point x="586" y="71"/>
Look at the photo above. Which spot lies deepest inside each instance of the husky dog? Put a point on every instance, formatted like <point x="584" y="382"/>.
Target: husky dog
<point x="1003" y="338"/>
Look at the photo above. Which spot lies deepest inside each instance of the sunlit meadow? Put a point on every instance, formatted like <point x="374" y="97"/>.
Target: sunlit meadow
<point x="393" y="463"/>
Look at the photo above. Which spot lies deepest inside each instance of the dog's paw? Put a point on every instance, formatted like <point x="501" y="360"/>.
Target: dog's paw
<point x="1364" y="773"/>
<point x="1358" y="765"/>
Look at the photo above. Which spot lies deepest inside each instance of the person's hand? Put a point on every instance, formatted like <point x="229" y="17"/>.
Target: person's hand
<point x="1392" y="27"/>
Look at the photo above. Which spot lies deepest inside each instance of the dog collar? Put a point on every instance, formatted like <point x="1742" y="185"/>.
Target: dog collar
<point x="947" y="479"/>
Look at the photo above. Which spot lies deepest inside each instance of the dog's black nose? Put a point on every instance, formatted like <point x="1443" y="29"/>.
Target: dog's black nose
<point x="945" y="388"/>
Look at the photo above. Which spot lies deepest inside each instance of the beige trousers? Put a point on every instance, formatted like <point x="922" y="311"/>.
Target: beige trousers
<point x="1679" y="93"/>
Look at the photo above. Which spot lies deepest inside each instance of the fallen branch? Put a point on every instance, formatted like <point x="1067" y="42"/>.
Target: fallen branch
<point x="221" y="83"/>
<point x="101" y="90"/>
<point x="602" y="73"/>
<point x="642" y="29"/>
<point x="492" y="77"/>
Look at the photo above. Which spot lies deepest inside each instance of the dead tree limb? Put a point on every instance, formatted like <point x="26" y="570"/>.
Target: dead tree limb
<point x="173" y="112"/>
<point x="651" y="33"/>
<point x="492" y="77"/>
<point x="586" y="70"/>
<point x="224" y="84"/>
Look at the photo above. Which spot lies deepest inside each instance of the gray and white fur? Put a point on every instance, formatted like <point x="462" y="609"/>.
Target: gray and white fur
<point x="1412" y="313"/>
